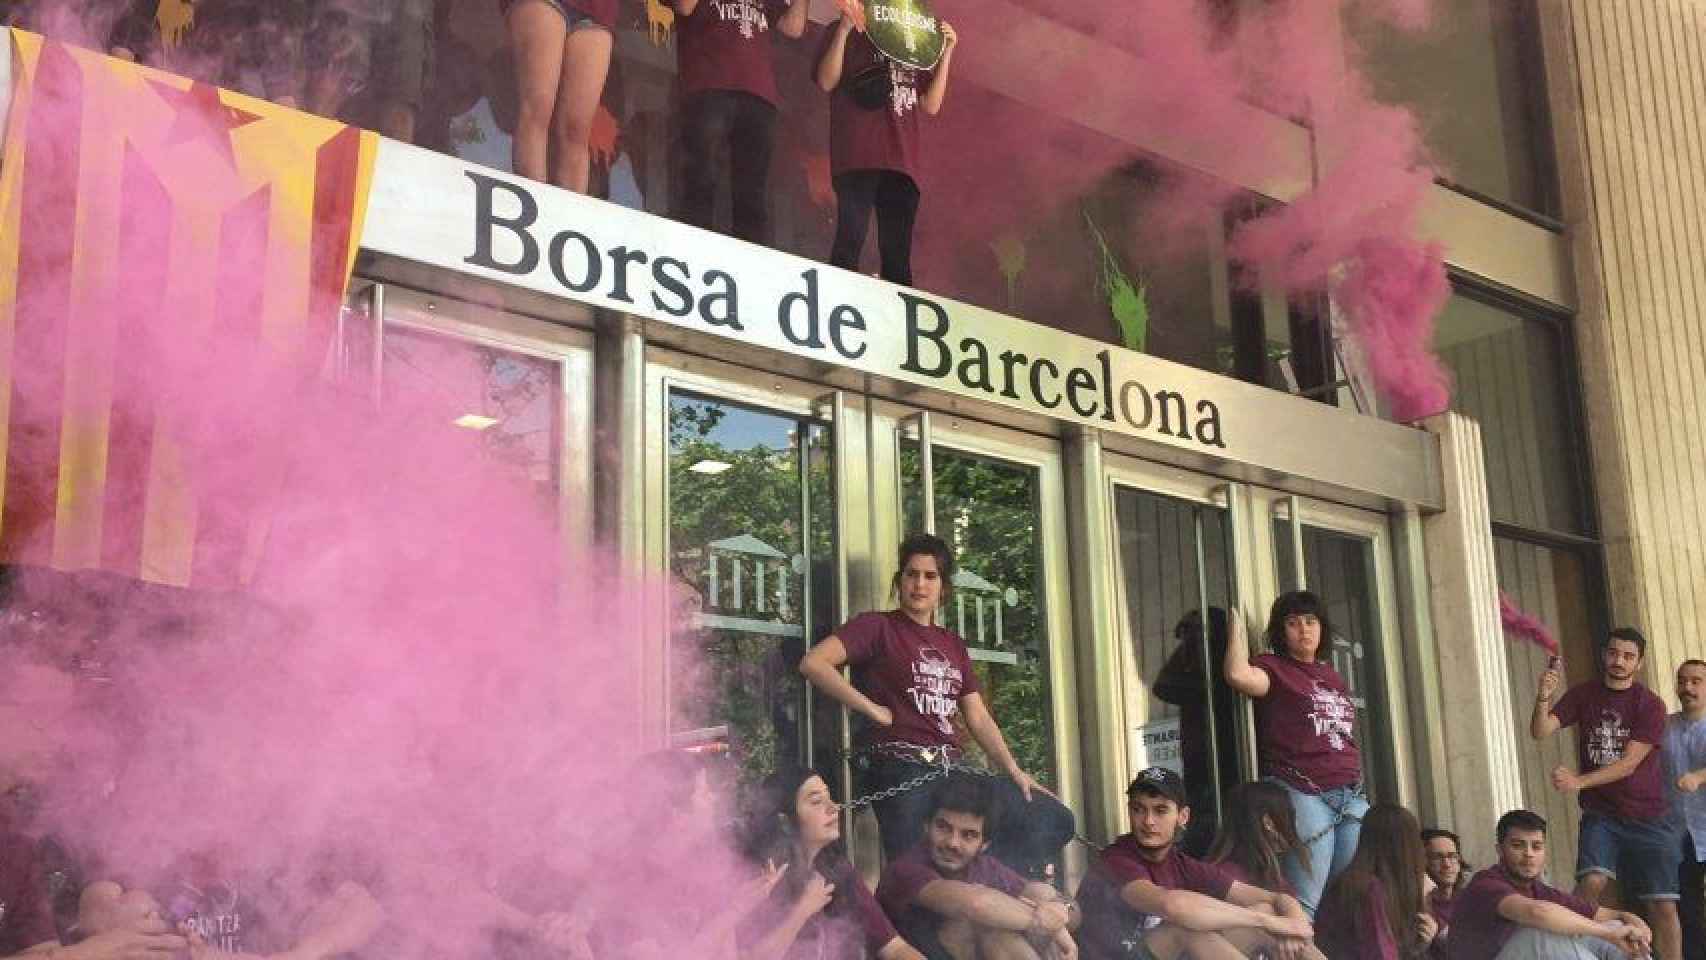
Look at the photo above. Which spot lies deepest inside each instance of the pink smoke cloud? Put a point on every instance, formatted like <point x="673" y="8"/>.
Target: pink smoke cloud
<point x="1525" y="625"/>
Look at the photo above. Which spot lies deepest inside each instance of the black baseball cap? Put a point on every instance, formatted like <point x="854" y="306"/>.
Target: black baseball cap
<point x="1159" y="781"/>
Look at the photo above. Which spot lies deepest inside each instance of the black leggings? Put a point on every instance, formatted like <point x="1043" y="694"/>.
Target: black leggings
<point x="895" y="198"/>
<point x="741" y="126"/>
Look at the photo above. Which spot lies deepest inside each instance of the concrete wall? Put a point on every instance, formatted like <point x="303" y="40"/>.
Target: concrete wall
<point x="1628" y="83"/>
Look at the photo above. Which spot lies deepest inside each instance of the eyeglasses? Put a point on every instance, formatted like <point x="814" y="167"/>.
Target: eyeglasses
<point x="1447" y="857"/>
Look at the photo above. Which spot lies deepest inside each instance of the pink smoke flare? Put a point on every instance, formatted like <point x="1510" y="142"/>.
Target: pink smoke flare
<point x="1525" y="625"/>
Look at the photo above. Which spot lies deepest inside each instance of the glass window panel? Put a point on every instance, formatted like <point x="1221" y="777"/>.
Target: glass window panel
<point x="987" y="512"/>
<point x="1340" y="570"/>
<point x="506" y="406"/>
<point x="1476" y="80"/>
<point x="1509" y="374"/>
<point x="1159" y="570"/>
<point x="751" y="503"/>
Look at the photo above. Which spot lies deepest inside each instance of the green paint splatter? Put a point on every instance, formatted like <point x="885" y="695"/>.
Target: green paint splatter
<point x="1128" y="302"/>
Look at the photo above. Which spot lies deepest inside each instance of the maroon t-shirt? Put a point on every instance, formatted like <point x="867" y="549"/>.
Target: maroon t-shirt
<point x="1305" y="725"/>
<point x="1605" y="721"/>
<point x="601" y="11"/>
<point x="1110" y="922"/>
<point x="725" y="45"/>
<point x="905" y="878"/>
<point x="881" y="137"/>
<point x="852" y="927"/>
<point x="918" y="672"/>
<point x="26" y="919"/>
<point x="1478" y="931"/>
<point x="1360" y="932"/>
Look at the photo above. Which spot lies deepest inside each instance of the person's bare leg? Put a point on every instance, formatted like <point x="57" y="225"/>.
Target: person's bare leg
<point x="536" y="37"/>
<point x="1168" y="942"/>
<point x="1667" y="928"/>
<point x="1005" y="945"/>
<point x="1591" y="887"/>
<point x="958" y="938"/>
<point x="586" y="60"/>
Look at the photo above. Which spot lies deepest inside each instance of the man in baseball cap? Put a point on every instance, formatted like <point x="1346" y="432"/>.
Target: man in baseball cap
<point x="1143" y="898"/>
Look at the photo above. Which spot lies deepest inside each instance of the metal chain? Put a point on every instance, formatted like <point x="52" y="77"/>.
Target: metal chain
<point x="1340" y="813"/>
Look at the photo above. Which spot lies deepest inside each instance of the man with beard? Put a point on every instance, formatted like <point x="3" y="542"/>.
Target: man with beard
<point x="1625" y="820"/>
<point x="1508" y="913"/>
<point x="1685" y="773"/>
<point x="1144" y="898"/>
<point x="952" y="902"/>
<point x="1446" y="869"/>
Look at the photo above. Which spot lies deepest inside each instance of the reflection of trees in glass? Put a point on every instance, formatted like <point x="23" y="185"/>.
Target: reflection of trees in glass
<point x="987" y="511"/>
<point x="745" y="678"/>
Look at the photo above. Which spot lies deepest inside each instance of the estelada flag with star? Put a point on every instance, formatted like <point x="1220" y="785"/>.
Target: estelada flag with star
<point x="138" y="207"/>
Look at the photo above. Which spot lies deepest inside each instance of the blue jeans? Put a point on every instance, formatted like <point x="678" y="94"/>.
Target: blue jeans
<point x="1329" y="824"/>
<point x="1647" y="852"/>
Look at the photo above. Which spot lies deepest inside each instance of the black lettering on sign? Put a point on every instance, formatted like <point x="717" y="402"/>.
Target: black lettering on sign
<point x="727" y="297"/>
<point x="842" y="318"/>
<point x="937" y="336"/>
<point x="671" y="274"/>
<point x="592" y="262"/>
<point x="487" y="221"/>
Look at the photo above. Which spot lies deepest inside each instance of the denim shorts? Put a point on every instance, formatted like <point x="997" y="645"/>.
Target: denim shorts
<point x="1650" y="852"/>
<point x="572" y="19"/>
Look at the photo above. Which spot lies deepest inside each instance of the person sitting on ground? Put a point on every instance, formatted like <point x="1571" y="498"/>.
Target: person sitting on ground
<point x="821" y="907"/>
<point x="1259" y="831"/>
<point x="1449" y="875"/>
<point x="1375" y="909"/>
<point x="913" y="680"/>
<point x="1508" y="913"/>
<point x="953" y="903"/>
<point x="1144" y="898"/>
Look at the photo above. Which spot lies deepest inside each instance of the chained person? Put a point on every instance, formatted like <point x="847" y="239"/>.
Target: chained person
<point x="956" y="903"/>
<point x="821" y="909"/>
<point x="911" y="679"/>
<point x="1305" y="739"/>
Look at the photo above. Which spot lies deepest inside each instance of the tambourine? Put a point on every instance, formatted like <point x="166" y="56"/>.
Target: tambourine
<point x="906" y="31"/>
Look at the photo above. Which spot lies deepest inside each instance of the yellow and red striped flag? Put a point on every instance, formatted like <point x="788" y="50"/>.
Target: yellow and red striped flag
<point x="129" y="197"/>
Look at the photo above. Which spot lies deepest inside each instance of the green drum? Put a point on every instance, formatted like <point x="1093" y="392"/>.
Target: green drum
<point x="906" y="31"/>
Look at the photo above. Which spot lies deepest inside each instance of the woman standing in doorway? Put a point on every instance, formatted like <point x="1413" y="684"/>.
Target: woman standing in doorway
<point x="873" y="142"/>
<point x="911" y="679"/>
<point x="562" y="53"/>
<point x="1304" y="735"/>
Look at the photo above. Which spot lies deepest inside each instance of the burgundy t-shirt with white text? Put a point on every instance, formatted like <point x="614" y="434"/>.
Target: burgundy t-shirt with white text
<point x="725" y="45"/>
<point x="1605" y="721"/>
<point x="852" y="927"/>
<point x="1305" y="726"/>
<point x="1478" y="931"/>
<point x="885" y="137"/>
<point x="905" y="878"/>
<point x="918" y="672"/>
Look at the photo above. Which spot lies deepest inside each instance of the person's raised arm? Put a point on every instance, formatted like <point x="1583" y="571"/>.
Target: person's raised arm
<point x="1557" y="918"/>
<point x="793" y="23"/>
<point x="931" y="102"/>
<point x="834" y="55"/>
<point x="1633" y="754"/>
<point x="1242" y="675"/>
<point x="981" y="723"/>
<point x="822" y="666"/>
<point x="1543" y="722"/>
<point x="813" y="898"/>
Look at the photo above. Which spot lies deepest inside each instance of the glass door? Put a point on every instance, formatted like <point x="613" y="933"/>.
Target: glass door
<point x="1176" y="583"/>
<point x="748" y="487"/>
<point x="1343" y="556"/>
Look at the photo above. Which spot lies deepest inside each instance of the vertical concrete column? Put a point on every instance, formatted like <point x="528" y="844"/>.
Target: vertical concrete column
<point x="1095" y="634"/>
<point x="1476" y="726"/>
<point x="1423" y="692"/>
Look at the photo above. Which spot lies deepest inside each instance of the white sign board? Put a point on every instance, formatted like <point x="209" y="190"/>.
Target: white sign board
<point x="1157" y="744"/>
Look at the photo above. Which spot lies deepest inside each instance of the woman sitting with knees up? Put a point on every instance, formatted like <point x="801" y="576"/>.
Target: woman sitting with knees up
<point x="911" y="680"/>
<point x="1258" y="832"/>
<point x="1305" y="735"/>
<point x="820" y="908"/>
<point x="1376" y="908"/>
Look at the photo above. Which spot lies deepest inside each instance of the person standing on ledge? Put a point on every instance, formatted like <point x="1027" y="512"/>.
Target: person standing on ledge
<point x="911" y="678"/>
<point x="874" y="142"/>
